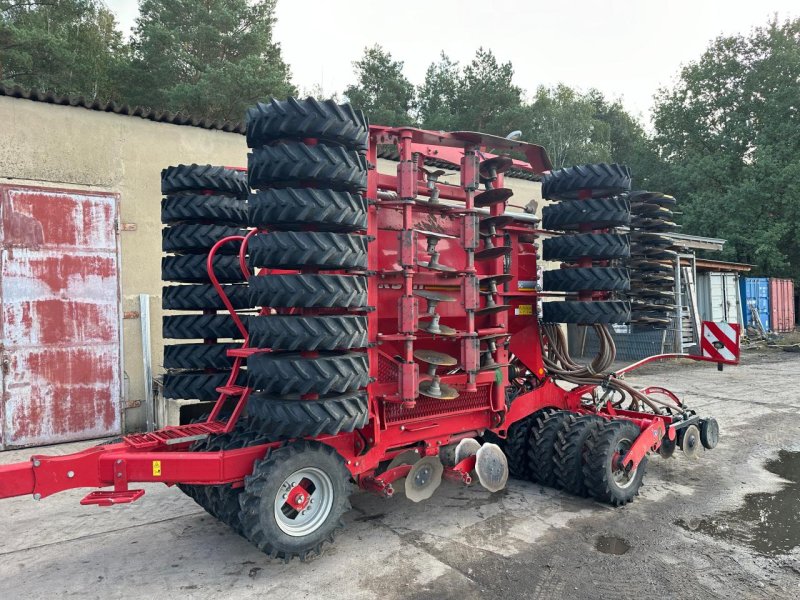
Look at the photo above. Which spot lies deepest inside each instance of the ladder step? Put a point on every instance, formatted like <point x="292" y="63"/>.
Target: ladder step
<point x="108" y="498"/>
<point x="232" y="390"/>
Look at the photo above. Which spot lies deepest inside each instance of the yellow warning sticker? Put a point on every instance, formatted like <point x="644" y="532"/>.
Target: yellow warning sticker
<point x="525" y="310"/>
<point x="156" y="468"/>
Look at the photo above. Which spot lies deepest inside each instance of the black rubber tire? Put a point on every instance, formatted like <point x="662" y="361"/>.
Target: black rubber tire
<point x="198" y="356"/>
<point x="589" y="278"/>
<point x="198" y="327"/>
<point x="591" y="245"/>
<point x="308" y="291"/>
<point x="257" y="513"/>
<point x="203" y="297"/>
<point x="290" y="417"/>
<point x="284" y="165"/>
<point x="586" y="313"/>
<point x="597" y="470"/>
<point x="291" y="208"/>
<point x="200" y="178"/>
<point x="324" y="120"/>
<point x="198" y="208"/>
<point x="517" y="445"/>
<point x="191" y="268"/>
<point x="602" y="179"/>
<point x="305" y="333"/>
<point x="197" y="385"/>
<point x="291" y="373"/>
<point x="198" y="239"/>
<point x="542" y="446"/>
<point x="600" y="212"/>
<point x="569" y="455"/>
<point x="304" y="249"/>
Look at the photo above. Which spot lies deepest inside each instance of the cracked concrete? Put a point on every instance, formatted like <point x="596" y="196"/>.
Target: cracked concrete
<point x="525" y="542"/>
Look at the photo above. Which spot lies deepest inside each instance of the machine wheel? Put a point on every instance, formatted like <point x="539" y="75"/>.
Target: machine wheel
<point x="544" y="435"/>
<point x="600" y="212"/>
<point x="197" y="385"/>
<point x="315" y="475"/>
<point x="196" y="208"/>
<point x="191" y="268"/>
<point x="296" y="333"/>
<point x="517" y="445"/>
<point x="292" y="373"/>
<point x="292" y="417"/>
<point x="602" y="179"/>
<point x="198" y="327"/>
<point x="592" y="245"/>
<point x="586" y="313"/>
<point x="203" y="297"/>
<point x="709" y="433"/>
<point x="284" y="165"/>
<point x="309" y="291"/>
<point x="290" y="208"/>
<point x="570" y="451"/>
<point x="605" y="480"/>
<point x="201" y="178"/>
<point x="198" y="356"/>
<point x="303" y="249"/>
<point x="323" y="120"/>
<point x="587" y="278"/>
<point x="198" y="239"/>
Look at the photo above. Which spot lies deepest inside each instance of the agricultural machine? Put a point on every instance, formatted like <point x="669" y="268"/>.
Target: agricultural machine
<point x="385" y="330"/>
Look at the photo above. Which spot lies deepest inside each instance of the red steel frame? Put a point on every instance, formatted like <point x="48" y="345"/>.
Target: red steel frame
<point x="400" y="419"/>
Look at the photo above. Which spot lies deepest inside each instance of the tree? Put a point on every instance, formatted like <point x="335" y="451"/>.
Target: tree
<point x="436" y="96"/>
<point x="211" y="59"/>
<point x="61" y="46"/>
<point x="730" y="130"/>
<point x="381" y="89"/>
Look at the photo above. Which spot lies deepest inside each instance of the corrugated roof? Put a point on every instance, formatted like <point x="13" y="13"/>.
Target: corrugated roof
<point x="120" y="109"/>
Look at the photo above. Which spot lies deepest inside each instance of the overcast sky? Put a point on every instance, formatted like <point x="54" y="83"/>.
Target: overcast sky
<point x="625" y="48"/>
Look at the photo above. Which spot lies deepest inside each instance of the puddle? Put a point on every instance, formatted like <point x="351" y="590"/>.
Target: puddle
<point x="609" y="544"/>
<point x="767" y="522"/>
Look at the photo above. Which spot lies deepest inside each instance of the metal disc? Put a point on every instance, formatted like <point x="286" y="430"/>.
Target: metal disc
<point x="466" y="448"/>
<point x="493" y="336"/>
<point x="423" y="479"/>
<point x="445" y="392"/>
<point x="709" y="433"/>
<point x="489" y="310"/>
<point x="435" y="296"/>
<point x="435" y="266"/>
<point x="495" y="252"/>
<point x="442" y="329"/>
<point x="436" y="234"/>
<point x="498" y="164"/>
<point x="492" y="366"/>
<point x="493" y="196"/>
<point x="667" y="447"/>
<point x="491" y="466"/>
<point x="435" y="358"/>
<point x="498" y="222"/>
<point x="690" y="442"/>
<point x="499" y="279"/>
<point x="409" y="457"/>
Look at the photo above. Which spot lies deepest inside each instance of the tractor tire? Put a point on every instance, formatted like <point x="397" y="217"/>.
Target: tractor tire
<point x="197" y="385"/>
<point x="204" y="178"/>
<point x="198" y="327"/>
<point x="198" y="356"/>
<point x="603" y="480"/>
<point x="570" y="452"/>
<point x="203" y="297"/>
<point x="517" y="445"/>
<point x="285" y="165"/>
<point x="293" y="118"/>
<point x="542" y="446"/>
<point x="324" y="210"/>
<point x="270" y="524"/>
<point x="586" y="313"/>
<point x="589" y="278"/>
<point x="289" y="417"/>
<point x="292" y="373"/>
<point x="198" y="239"/>
<point x="191" y="268"/>
<point x="308" y="249"/>
<point x="600" y="212"/>
<point x="602" y="179"/>
<point x="308" y="291"/>
<point x="197" y="208"/>
<point x="587" y="245"/>
<point x="300" y="333"/>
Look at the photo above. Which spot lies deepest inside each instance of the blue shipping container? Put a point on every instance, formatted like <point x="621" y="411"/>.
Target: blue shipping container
<point x="755" y="290"/>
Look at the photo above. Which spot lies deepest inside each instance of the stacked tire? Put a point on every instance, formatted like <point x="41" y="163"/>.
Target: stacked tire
<point x="202" y="204"/>
<point x="309" y="171"/>
<point x="590" y="204"/>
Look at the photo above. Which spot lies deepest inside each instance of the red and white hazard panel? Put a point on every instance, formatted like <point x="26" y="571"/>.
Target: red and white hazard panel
<point x="720" y="341"/>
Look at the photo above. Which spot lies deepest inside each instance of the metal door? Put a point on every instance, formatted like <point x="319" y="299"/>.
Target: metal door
<point x="60" y="336"/>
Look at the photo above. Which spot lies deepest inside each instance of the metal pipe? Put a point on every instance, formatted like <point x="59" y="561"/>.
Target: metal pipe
<point x="678" y="343"/>
<point x="147" y="362"/>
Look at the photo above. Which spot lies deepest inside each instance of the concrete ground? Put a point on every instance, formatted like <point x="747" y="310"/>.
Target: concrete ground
<point x="464" y="543"/>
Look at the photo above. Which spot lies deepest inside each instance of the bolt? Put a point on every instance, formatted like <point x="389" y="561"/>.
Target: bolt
<point x="349" y="462"/>
<point x="119" y="461"/>
<point x="311" y="501"/>
<point x="70" y="474"/>
<point x="285" y="496"/>
<point x="300" y="498"/>
<point x="119" y="474"/>
<point x="37" y="496"/>
<point x="36" y="463"/>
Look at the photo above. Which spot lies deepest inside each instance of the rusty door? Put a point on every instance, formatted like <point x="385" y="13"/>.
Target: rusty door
<point x="60" y="331"/>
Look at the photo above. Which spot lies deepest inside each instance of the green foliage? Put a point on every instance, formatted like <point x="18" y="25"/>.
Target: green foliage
<point x="436" y="96"/>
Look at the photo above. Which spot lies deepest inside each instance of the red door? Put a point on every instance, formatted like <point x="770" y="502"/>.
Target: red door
<point x="60" y="330"/>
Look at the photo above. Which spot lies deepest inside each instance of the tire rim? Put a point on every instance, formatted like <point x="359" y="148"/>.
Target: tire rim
<point x="623" y="478"/>
<point x="319" y="488"/>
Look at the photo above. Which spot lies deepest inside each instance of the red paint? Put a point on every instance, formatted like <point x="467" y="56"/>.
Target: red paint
<point x="781" y="305"/>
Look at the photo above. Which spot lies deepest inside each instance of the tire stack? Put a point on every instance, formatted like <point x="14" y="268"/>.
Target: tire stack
<point x="652" y="259"/>
<point x="590" y="198"/>
<point x="202" y="204"/>
<point x="308" y="167"/>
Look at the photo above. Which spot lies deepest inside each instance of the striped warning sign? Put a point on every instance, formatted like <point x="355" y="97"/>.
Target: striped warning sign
<point x="720" y="341"/>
